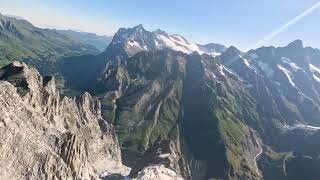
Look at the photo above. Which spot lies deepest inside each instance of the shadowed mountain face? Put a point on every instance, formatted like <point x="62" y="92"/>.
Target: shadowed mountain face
<point x="224" y="110"/>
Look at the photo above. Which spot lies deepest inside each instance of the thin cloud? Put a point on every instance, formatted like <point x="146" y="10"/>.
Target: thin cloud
<point x="288" y="24"/>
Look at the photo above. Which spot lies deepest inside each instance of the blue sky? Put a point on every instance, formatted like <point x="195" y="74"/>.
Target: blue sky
<point x="242" y="23"/>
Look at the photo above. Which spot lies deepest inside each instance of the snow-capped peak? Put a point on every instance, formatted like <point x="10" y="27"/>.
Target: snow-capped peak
<point x="177" y="43"/>
<point x="138" y="39"/>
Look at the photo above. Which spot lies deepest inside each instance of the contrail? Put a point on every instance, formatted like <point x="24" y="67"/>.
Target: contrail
<point x="288" y="24"/>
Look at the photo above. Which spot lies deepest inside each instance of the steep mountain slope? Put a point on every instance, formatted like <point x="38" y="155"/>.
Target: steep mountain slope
<point x="172" y="95"/>
<point x="231" y="116"/>
<point x="44" y="137"/>
<point x="20" y="40"/>
<point x="126" y="43"/>
<point x="283" y="82"/>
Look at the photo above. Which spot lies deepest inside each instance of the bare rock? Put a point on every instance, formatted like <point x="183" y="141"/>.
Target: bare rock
<point x="44" y="137"/>
<point x="158" y="172"/>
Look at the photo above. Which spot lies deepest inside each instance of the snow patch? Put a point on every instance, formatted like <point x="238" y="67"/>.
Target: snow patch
<point x="214" y="54"/>
<point x="178" y="43"/>
<point x="221" y="70"/>
<point x="300" y="126"/>
<point x="163" y="156"/>
<point x="315" y="72"/>
<point x="316" y="78"/>
<point x="136" y="45"/>
<point x="233" y="73"/>
<point x="288" y="74"/>
<point x="246" y="62"/>
<point x="175" y="43"/>
<point x="314" y="68"/>
<point x="294" y="66"/>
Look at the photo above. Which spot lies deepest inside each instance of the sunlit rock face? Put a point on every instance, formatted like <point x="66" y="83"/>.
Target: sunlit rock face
<point x="45" y="137"/>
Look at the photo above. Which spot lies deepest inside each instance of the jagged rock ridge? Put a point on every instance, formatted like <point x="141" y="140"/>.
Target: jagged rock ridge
<point x="45" y="137"/>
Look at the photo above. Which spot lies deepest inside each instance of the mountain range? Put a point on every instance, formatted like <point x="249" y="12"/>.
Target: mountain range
<point x="20" y="40"/>
<point x="240" y="105"/>
<point x="98" y="41"/>
<point x="125" y="44"/>
<point x="175" y="109"/>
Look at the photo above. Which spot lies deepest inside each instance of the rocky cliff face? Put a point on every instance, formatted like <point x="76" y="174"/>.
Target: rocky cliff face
<point x="45" y="137"/>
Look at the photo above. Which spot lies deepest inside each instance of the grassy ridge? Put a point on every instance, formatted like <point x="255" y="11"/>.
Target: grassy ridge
<point x="20" y="40"/>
